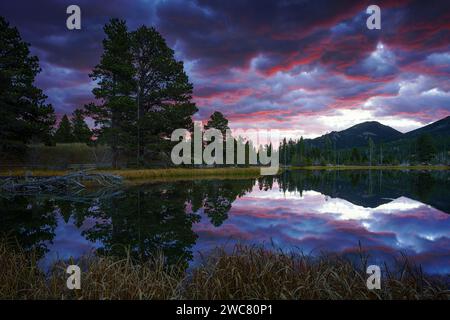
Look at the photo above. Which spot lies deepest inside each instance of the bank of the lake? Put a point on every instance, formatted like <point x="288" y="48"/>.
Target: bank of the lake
<point x="163" y="174"/>
<point x="136" y="175"/>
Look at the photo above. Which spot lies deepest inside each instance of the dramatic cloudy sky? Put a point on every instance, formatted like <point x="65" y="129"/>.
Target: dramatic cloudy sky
<point x="304" y="67"/>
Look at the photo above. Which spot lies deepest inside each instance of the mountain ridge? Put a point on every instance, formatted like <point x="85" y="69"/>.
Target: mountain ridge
<point x="358" y="134"/>
<point x="437" y="127"/>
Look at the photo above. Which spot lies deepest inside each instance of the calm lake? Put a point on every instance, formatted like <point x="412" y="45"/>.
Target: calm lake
<point x="387" y="212"/>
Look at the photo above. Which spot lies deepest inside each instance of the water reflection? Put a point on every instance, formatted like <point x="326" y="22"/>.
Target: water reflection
<point x="139" y="221"/>
<point x="332" y="211"/>
<point x="373" y="188"/>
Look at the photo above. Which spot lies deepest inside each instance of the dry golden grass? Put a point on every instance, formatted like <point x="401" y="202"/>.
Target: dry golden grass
<point x="119" y="279"/>
<point x="32" y="172"/>
<point x="150" y="174"/>
<point x="20" y="277"/>
<point x="257" y="273"/>
<point x="193" y="173"/>
<point x="102" y="278"/>
<point x="246" y="273"/>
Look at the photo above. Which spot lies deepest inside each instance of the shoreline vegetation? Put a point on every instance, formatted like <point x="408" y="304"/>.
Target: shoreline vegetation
<point x="137" y="175"/>
<point x="244" y="273"/>
<point x="142" y="175"/>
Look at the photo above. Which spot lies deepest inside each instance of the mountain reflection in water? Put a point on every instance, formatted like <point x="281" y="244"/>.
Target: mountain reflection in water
<point x="311" y="211"/>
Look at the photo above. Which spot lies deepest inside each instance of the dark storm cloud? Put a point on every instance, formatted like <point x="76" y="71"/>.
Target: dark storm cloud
<point x="261" y="59"/>
<point x="43" y="24"/>
<point x="280" y="37"/>
<point x="227" y="34"/>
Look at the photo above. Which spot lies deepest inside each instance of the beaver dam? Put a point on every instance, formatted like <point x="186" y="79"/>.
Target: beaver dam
<point x="73" y="183"/>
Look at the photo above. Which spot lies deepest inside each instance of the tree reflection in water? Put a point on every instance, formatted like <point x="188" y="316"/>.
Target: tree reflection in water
<point x="140" y="221"/>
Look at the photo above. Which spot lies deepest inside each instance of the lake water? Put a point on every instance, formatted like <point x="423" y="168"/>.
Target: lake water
<point x="386" y="212"/>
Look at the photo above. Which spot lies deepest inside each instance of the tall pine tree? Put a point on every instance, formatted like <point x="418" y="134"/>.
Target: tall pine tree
<point x="24" y="115"/>
<point x="115" y="111"/>
<point x="163" y="93"/>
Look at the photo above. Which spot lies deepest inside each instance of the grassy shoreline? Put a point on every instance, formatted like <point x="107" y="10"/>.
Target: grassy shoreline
<point x="244" y="273"/>
<point x="136" y="175"/>
<point x="163" y="174"/>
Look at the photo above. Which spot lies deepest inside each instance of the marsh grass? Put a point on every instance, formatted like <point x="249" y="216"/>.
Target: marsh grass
<point x="258" y="273"/>
<point x="244" y="273"/>
<point x="102" y="278"/>
<point x="189" y="173"/>
<point x="144" y="175"/>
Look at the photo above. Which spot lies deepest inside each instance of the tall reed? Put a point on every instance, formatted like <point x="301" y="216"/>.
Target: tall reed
<point x="244" y="273"/>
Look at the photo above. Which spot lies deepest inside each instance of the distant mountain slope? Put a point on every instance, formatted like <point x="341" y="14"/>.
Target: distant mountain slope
<point x="358" y="135"/>
<point x="439" y="128"/>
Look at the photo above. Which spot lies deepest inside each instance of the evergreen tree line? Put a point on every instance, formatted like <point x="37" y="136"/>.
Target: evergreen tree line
<point x="142" y="94"/>
<point x="251" y="152"/>
<point x="422" y="150"/>
<point x="25" y="117"/>
<point x="74" y="130"/>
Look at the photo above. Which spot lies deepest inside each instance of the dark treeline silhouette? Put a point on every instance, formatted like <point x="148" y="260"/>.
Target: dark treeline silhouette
<point x="25" y="117"/>
<point x="142" y="94"/>
<point x="368" y="148"/>
<point x="424" y="149"/>
<point x="74" y="130"/>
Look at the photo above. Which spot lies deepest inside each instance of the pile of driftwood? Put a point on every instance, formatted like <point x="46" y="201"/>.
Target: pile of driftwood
<point x="70" y="183"/>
